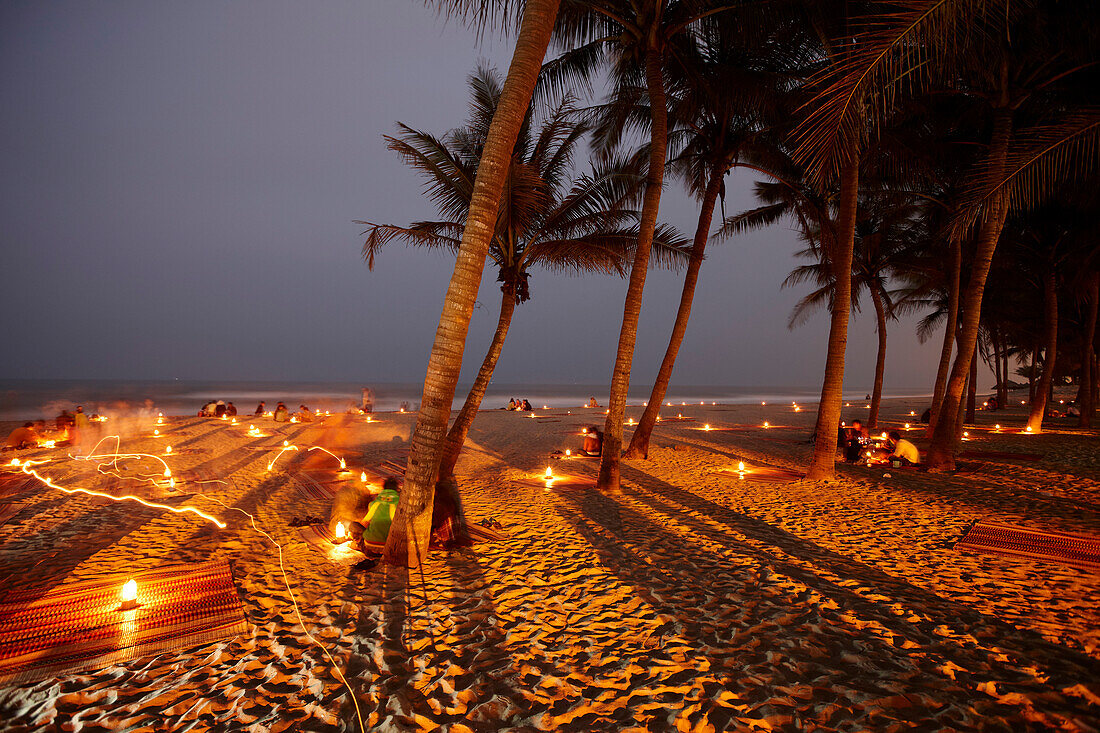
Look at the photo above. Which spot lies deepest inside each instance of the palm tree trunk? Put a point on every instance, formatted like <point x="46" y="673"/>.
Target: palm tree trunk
<point x="823" y="462"/>
<point x="995" y="339"/>
<point x="972" y="389"/>
<point x="1085" y="404"/>
<point x="408" y="538"/>
<point x="1046" y="380"/>
<point x="639" y="442"/>
<point x="880" y="361"/>
<point x="608" y="478"/>
<point x="456" y="438"/>
<point x="954" y="284"/>
<point x="941" y="453"/>
<point x="1031" y="376"/>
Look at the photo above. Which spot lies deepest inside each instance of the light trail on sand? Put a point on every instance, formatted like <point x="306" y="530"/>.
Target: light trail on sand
<point x="286" y="447"/>
<point x="294" y="604"/>
<point x="343" y="463"/>
<point x="28" y="468"/>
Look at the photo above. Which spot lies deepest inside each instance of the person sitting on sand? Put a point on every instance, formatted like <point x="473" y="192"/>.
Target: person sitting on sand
<point x="511" y="404"/>
<point x="209" y="408"/>
<point x="527" y="406"/>
<point x="230" y="409"/>
<point x="593" y="442"/>
<point x="904" y="451"/>
<point x="24" y="437"/>
<point x="281" y="413"/>
<point x="304" y="414"/>
<point x="592" y="402"/>
<point x="373" y="529"/>
<point x="260" y="410"/>
<point x="926" y="416"/>
<point x="219" y="408"/>
<point x="854" y="440"/>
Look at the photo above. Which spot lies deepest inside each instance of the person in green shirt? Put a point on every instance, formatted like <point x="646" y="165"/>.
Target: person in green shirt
<point x="373" y="529"/>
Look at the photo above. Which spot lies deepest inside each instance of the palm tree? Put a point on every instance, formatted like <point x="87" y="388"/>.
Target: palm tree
<point x="640" y="39"/>
<point x="408" y="539"/>
<point x="719" y="102"/>
<point x="546" y="219"/>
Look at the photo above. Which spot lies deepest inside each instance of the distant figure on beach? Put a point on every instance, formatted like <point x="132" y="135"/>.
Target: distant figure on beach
<point x="260" y="409"/>
<point x="24" y="437"/>
<point x="219" y="408"/>
<point x="64" y="421"/>
<point x="208" y="409"/>
<point x="281" y="413"/>
<point x="592" y="402"/>
<point x="992" y="403"/>
<point x="527" y="406"/>
<point x="404" y="406"/>
<point x="368" y="400"/>
<point x="80" y="420"/>
<point x="304" y="414"/>
<point x="1071" y="409"/>
<point x="926" y="416"/>
<point x="512" y="404"/>
<point x="904" y="451"/>
<point x="230" y="409"/>
<point x="593" y="442"/>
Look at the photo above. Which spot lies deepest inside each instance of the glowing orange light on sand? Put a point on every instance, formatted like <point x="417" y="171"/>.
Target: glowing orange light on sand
<point x="549" y="474"/>
<point x="706" y="427"/>
<point x="340" y="532"/>
<point x="567" y="453"/>
<point x="766" y="425"/>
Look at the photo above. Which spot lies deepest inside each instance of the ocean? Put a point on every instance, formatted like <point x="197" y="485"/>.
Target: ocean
<point x="30" y="399"/>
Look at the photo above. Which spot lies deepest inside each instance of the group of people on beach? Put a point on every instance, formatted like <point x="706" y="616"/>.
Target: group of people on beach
<point x="856" y="442"/>
<point x="68" y="428"/>
<point x="370" y="531"/>
<point x="519" y="405"/>
<point x="218" y="408"/>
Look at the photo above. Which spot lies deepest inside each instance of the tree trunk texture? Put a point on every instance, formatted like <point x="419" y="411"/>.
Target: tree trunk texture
<point x="941" y="453"/>
<point x="880" y="361"/>
<point x="1085" y="404"/>
<point x="608" y="479"/>
<point x="954" y="283"/>
<point x="408" y="539"/>
<point x="823" y="463"/>
<point x="1046" y="379"/>
<point x="972" y="389"/>
<point x="456" y="437"/>
<point x="1031" y="377"/>
<point x="639" y="442"/>
<point x="1002" y="397"/>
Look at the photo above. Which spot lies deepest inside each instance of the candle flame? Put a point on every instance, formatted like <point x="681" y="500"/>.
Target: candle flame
<point x="567" y="453"/>
<point x="340" y="532"/>
<point x="167" y="449"/>
<point x="706" y="427"/>
<point x="363" y="477"/>
<point x="740" y="466"/>
<point x="766" y="424"/>
<point x="129" y="590"/>
<point x="549" y="474"/>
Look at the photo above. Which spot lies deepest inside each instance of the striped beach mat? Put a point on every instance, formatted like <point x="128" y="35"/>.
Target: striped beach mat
<point x="77" y="626"/>
<point x="386" y="469"/>
<point x="1078" y="550"/>
<point x="314" y="487"/>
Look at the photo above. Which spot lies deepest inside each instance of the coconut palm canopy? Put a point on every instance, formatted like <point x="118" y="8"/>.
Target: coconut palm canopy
<point x="549" y="217"/>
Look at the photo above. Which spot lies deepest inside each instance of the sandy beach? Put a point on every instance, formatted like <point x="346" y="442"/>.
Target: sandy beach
<point x="693" y="600"/>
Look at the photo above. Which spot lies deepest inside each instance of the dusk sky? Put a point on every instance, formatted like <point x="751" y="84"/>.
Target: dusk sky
<point x="179" y="185"/>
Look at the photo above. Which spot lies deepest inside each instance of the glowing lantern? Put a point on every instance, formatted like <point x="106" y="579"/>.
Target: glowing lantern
<point x="668" y="404"/>
<point x="233" y="421"/>
<point x="706" y="427"/>
<point x="683" y="403"/>
<point x="740" y="466"/>
<point x="156" y="433"/>
<point x="546" y="407"/>
<point x="912" y="412"/>
<point x="567" y="453"/>
<point x="167" y="473"/>
<point x="678" y="415"/>
<point x="549" y="474"/>
<point x="1029" y="428"/>
<point x="798" y="409"/>
<point x="286" y="443"/>
<point x="965" y="435"/>
<point x="884" y="436"/>
<point x="763" y="403"/>
<point x="630" y="421"/>
<point x="368" y="418"/>
<point x="167" y="449"/>
<point x="766" y="424"/>
<point x="532" y="416"/>
<point x="363" y="477"/>
<point x="340" y="533"/>
<point x="584" y="430"/>
<point x="224" y="416"/>
<point x="996" y="427"/>
<point x="700" y="403"/>
<point x="129" y="595"/>
<point x="15" y="461"/>
<point x="402" y="409"/>
<point x="906" y="426"/>
<point x="343" y="465"/>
